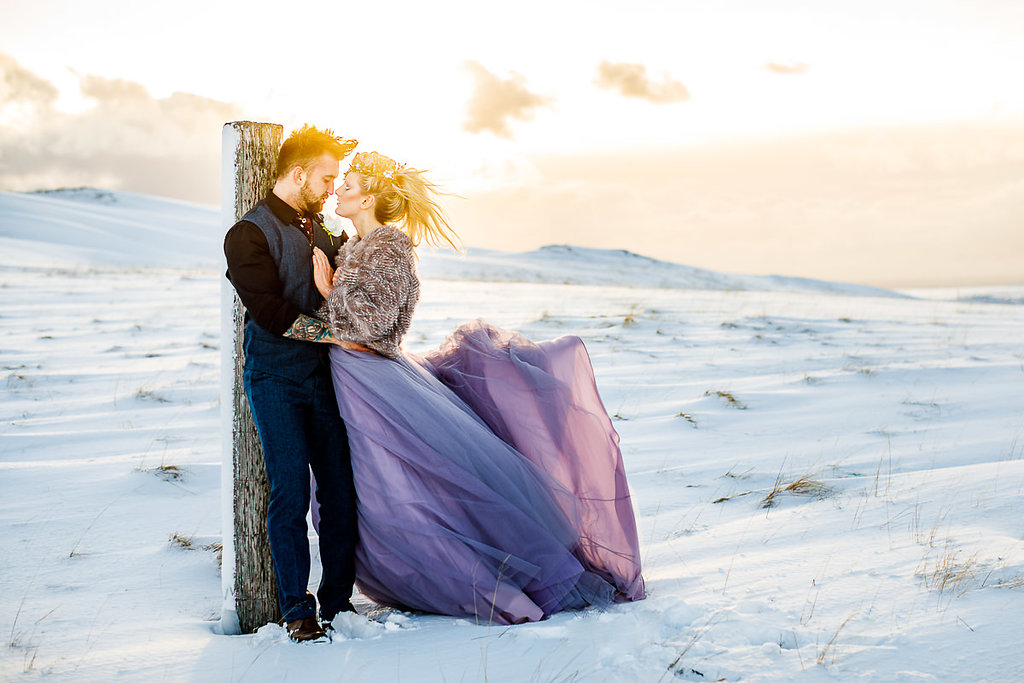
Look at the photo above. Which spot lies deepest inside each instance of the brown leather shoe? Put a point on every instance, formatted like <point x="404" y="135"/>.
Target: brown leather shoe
<point x="303" y="630"/>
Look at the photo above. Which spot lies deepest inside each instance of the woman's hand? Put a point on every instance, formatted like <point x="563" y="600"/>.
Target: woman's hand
<point x="323" y="274"/>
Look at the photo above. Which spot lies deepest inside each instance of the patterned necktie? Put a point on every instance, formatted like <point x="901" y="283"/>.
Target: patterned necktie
<point x="306" y="225"/>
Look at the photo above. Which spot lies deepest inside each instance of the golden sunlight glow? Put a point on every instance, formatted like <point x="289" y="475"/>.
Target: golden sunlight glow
<point x="510" y="107"/>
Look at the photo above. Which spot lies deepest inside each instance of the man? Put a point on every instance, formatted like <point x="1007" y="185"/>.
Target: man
<point x="288" y="381"/>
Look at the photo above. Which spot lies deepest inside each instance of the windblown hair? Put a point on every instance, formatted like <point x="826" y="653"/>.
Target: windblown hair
<point x="404" y="196"/>
<point x="307" y="144"/>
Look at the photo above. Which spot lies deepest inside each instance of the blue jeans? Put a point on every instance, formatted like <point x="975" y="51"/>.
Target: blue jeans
<point x="300" y="428"/>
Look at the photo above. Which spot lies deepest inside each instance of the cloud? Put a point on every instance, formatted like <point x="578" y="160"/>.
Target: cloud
<point x="125" y="139"/>
<point x="631" y="80"/>
<point x="20" y="86"/>
<point x="495" y="101"/>
<point x="787" y="69"/>
<point x="925" y="205"/>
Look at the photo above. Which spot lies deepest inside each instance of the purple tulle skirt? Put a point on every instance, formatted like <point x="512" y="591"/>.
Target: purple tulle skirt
<point x="489" y="479"/>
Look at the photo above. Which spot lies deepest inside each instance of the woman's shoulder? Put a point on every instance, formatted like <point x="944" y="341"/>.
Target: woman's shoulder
<point x="389" y="237"/>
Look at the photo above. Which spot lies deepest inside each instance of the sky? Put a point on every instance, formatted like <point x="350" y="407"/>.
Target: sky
<point x="867" y="141"/>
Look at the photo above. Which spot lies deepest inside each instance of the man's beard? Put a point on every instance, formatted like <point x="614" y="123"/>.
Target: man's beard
<point x="309" y="201"/>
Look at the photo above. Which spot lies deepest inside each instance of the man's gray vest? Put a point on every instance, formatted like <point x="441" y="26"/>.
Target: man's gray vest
<point x="292" y="253"/>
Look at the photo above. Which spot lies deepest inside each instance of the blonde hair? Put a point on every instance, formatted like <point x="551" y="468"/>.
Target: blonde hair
<point x="404" y="195"/>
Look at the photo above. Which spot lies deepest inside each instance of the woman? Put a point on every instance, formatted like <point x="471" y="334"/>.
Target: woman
<point x="488" y="475"/>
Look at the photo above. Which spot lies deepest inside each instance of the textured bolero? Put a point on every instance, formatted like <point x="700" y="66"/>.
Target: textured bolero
<point x="375" y="291"/>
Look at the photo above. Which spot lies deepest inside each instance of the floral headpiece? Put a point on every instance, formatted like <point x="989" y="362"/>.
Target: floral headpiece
<point x="372" y="164"/>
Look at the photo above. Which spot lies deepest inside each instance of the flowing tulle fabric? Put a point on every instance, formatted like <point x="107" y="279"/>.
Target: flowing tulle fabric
<point x="489" y="480"/>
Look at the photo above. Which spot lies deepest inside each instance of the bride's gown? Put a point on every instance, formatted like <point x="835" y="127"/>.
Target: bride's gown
<point x="489" y="479"/>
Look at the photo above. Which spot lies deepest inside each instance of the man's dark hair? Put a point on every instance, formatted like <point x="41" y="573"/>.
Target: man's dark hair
<point x="305" y="145"/>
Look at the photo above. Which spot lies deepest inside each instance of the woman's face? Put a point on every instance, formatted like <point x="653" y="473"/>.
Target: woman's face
<point x="350" y="196"/>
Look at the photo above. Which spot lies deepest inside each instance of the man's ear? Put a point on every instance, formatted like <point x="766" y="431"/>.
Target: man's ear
<point x="298" y="175"/>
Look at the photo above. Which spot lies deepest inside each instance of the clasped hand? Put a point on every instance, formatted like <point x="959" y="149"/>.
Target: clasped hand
<point x="324" y="276"/>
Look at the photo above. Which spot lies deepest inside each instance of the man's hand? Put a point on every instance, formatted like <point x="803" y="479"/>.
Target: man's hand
<point x="310" y="329"/>
<point x="323" y="274"/>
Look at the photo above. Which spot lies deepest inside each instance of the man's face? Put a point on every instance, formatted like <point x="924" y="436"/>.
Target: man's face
<point x="319" y="183"/>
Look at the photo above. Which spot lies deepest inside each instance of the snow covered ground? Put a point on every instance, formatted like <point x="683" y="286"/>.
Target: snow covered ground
<point x="829" y="479"/>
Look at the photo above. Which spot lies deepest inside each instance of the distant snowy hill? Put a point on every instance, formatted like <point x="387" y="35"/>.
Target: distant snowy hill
<point x="562" y="264"/>
<point x="85" y="226"/>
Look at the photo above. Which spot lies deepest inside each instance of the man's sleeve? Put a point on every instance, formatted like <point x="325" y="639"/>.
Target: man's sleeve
<point x="253" y="273"/>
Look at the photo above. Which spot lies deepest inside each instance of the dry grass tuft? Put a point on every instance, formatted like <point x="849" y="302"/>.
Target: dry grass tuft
<point x="724" y="499"/>
<point x="145" y="394"/>
<point x="218" y="550"/>
<point x="177" y="540"/>
<point x="804" y="486"/>
<point x="948" y="573"/>
<point x="830" y="645"/>
<point x="677" y="668"/>
<point x="168" y="472"/>
<point x="738" y="475"/>
<point x="632" y="318"/>
<point x="689" y="418"/>
<point x="1013" y="582"/>
<point x="728" y="398"/>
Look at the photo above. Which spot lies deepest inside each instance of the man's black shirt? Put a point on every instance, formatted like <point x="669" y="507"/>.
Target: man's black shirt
<point x="252" y="271"/>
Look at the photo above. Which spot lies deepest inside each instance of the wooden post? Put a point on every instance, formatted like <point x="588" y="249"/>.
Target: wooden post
<point x="249" y="157"/>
